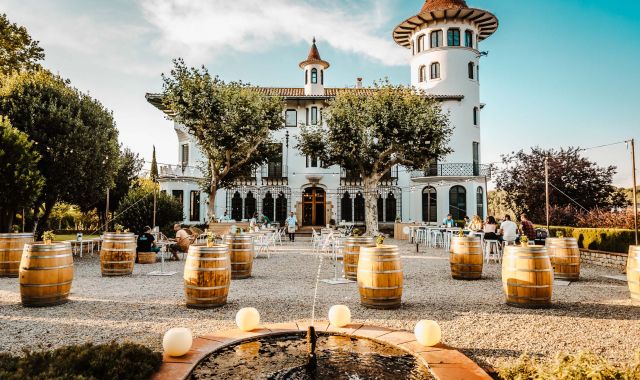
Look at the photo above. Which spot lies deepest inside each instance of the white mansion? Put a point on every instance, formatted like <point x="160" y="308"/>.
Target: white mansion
<point x="443" y="38"/>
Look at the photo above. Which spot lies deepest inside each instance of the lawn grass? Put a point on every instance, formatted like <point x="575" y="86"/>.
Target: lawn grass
<point x="73" y="237"/>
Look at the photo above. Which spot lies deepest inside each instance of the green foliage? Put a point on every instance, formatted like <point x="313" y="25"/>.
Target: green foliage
<point x="84" y="362"/>
<point x="231" y="122"/>
<point x="569" y="367"/>
<point x="129" y="165"/>
<point x="20" y="180"/>
<point x="523" y="181"/>
<point x="598" y="239"/>
<point x="136" y="210"/>
<point x="154" y="166"/>
<point x="73" y="133"/>
<point x="18" y="51"/>
<point x="48" y="235"/>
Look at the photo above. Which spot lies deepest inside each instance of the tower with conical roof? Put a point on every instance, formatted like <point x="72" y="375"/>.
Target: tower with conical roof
<point x="314" y="68"/>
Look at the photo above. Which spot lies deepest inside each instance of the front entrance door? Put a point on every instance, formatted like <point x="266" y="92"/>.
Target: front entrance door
<point x="313" y="207"/>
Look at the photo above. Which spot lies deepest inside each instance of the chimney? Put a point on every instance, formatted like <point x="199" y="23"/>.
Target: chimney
<point x="358" y="82"/>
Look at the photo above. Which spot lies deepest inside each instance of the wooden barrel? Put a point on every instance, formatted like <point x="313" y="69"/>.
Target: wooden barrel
<point x="240" y="254"/>
<point x="351" y="253"/>
<point x="146" y="257"/>
<point x="118" y="254"/>
<point x="380" y="277"/>
<point x="465" y="258"/>
<point x="11" y="247"/>
<point x="46" y="273"/>
<point x="527" y="276"/>
<point x="207" y="276"/>
<point x="633" y="271"/>
<point x="565" y="257"/>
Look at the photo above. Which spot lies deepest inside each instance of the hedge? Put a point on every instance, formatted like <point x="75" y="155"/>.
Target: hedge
<point x="599" y="239"/>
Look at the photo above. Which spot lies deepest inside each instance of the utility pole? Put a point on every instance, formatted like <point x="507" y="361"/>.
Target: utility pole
<point x="106" y="215"/>
<point x="634" y="191"/>
<point x="546" y="187"/>
<point x="154" y="205"/>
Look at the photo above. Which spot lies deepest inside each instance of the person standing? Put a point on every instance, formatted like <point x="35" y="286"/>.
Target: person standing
<point x="508" y="230"/>
<point x="527" y="227"/>
<point x="291" y="223"/>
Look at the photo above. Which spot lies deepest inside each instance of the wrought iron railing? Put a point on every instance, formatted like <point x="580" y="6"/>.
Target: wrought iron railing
<point x="352" y="178"/>
<point x="454" y="170"/>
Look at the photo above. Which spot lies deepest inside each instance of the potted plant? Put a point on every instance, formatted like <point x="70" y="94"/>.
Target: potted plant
<point x="356" y="232"/>
<point x="379" y="240"/>
<point x="48" y="237"/>
<point x="559" y="234"/>
<point x="119" y="228"/>
<point x="461" y="233"/>
<point x="524" y="241"/>
<point x="211" y="238"/>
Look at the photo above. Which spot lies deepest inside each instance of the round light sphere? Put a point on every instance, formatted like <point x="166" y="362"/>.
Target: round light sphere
<point x="177" y="341"/>
<point x="339" y="315"/>
<point x="247" y="319"/>
<point x="428" y="333"/>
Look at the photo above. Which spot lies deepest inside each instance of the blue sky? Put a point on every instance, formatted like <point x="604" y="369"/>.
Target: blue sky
<point x="558" y="73"/>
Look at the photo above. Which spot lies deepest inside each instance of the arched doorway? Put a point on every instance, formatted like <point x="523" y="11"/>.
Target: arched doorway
<point x="429" y="204"/>
<point x="313" y="206"/>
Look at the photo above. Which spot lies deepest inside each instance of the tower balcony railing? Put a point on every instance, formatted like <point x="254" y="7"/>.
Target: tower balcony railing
<point x="454" y="170"/>
<point x="274" y="175"/>
<point x="178" y="171"/>
<point x="350" y="178"/>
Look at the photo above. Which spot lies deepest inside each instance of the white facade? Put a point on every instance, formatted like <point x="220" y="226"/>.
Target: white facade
<point x="458" y="181"/>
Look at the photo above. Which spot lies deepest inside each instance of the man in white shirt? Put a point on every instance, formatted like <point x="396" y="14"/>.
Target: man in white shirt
<point x="508" y="229"/>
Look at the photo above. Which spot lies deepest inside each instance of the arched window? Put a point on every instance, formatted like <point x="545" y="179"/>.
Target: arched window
<point x="475" y="116"/>
<point x="420" y="43"/>
<point x="429" y="204"/>
<point x="472" y="69"/>
<point x="468" y="39"/>
<point x="380" y="208"/>
<point x="358" y="208"/>
<point x="267" y="206"/>
<point x="458" y="202"/>
<point x="480" y="202"/>
<point x="314" y="76"/>
<point x="281" y="208"/>
<point x="390" y="214"/>
<point x="453" y="37"/>
<point x="345" y="206"/>
<point x="435" y="70"/>
<point x="249" y="205"/>
<point x="422" y="73"/>
<point x="236" y="207"/>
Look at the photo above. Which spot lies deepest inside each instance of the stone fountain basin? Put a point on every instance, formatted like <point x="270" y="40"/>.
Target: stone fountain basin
<point x="444" y="363"/>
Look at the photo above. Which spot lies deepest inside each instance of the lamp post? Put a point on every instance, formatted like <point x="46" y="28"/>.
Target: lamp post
<point x="546" y="188"/>
<point x="634" y="191"/>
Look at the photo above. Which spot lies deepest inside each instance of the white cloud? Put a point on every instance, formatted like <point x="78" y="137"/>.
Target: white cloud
<point x="206" y="29"/>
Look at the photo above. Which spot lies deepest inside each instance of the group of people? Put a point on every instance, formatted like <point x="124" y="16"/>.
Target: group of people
<point x="506" y="231"/>
<point x="147" y="241"/>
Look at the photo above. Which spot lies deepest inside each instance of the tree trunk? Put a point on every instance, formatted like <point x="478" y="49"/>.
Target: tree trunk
<point x="42" y="221"/>
<point x="371" y="205"/>
<point x="212" y="200"/>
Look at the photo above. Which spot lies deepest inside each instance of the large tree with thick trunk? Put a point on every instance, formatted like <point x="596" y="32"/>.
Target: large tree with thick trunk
<point x="231" y="122"/>
<point x="369" y="134"/>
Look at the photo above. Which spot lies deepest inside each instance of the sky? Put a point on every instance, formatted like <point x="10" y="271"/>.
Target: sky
<point x="559" y="73"/>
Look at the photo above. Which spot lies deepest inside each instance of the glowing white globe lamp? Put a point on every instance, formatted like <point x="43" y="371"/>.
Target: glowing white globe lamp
<point x="339" y="315"/>
<point x="428" y="333"/>
<point x="247" y="319"/>
<point x="177" y="341"/>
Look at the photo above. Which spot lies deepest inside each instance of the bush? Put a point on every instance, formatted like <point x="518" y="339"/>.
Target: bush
<point x="106" y="361"/>
<point x="136" y="210"/>
<point x="599" y="239"/>
<point x="569" y="367"/>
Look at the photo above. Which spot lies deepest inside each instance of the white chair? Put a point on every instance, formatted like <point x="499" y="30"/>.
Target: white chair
<point x="262" y="244"/>
<point x="492" y="250"/>
<point x="326" y="245"/>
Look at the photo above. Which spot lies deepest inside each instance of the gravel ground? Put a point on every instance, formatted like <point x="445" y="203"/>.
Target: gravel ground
<point x="594" y="314"/>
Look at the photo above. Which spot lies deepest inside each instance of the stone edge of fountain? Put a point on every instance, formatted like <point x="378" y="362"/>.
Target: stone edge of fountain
<point x="445" y="363"/>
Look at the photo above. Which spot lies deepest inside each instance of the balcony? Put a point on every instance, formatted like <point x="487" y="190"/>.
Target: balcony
<point x="179" y="171"/>
<point x="453" y="170"/>
<point x="248" y="179"/>
<point x="274" y="175"/>
<point x="351" y="178"/>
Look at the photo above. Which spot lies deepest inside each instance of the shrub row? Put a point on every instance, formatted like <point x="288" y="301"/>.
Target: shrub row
<point x="599" y="239"/>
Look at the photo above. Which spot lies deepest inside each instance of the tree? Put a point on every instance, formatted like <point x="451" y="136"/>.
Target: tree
<point x="73" y="133"/>
<point x="129" y="165"/>
<point x="20" y="180"/>
<point x="368" y="135"/>
<point x="578" y="178"/>
<point x="136" y="209"/>
<point x="154" y="166"/>
<point x="231" y="122"/>
<point x="18" y="51"/>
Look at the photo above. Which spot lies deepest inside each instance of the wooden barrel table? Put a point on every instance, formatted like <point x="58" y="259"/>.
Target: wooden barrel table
<point x="380" y="277"/>
<point x="465" y="258"/>
<point x="527" y="276"/>
<point x="11" y="247"/>
<point x="118" y="253"/>
<point x="240" y="254"/>
<point x="147" y="257"/>
<point x="351" y="254"/>
<point x="207" y="276"/>
<point x="46" y="273"/>
<point x="633" y="271"/>
<point x="565" y="257"/>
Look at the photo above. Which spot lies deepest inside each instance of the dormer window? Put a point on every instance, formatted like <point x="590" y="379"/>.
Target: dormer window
<point x="314" y="76"/>
<point x="453" y="37"/>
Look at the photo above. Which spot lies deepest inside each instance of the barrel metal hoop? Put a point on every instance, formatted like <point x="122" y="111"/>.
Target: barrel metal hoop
<point x="48" y="268"/>
<point x="45" y="285"/>
<point x="208" y="258"/>
<point x="381" y="288"/>
<point x="381" y="271"/>
<point x="31" y="256"/>
<point x="206" y="288"/>
<point x="208" y="269"/>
